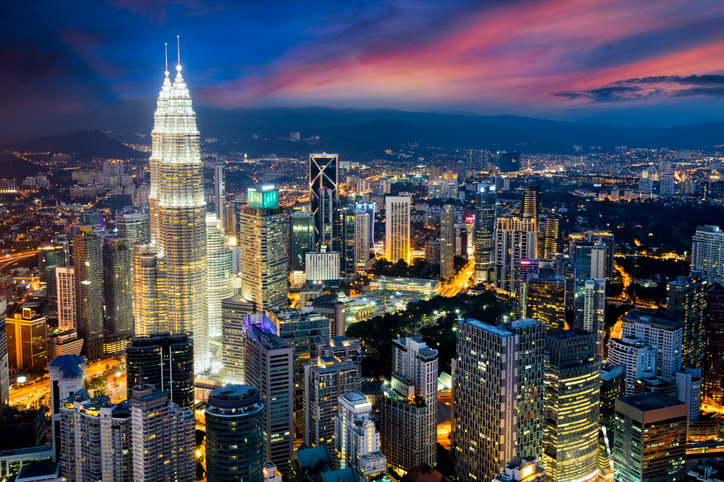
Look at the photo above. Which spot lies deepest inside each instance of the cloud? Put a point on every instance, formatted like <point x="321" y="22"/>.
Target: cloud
<point x="653" y="86"/>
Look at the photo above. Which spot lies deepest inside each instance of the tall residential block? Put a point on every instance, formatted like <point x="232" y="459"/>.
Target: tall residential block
<point x="707" y="252"/>
<point x="166" y="361"/>
<point x="118" y="286"/>
<point x="688" y="391"/>
<point x="594" y="311"/>
<point x="263" y="232"/>
<point x="134" y="224"/>
<point x="484" y="228"/>
<point x="663" y="335"/>
<point x="234" y="418"/>
<point x="397" y="228"/>
<point x="324" y="199"/>
<point x="357" y="441"/>
<point x="571" y="404"/>
<point x="65" y="282"/>
<point x="686" y="303"/>
<point x="497" y="396"/>
<point x="220" y="272"/>
<point x="363" y="234"/>
<point x="342" y="347"/>
<point x="88" y="271"/>
<point x="638" y="358"/>
<point x="650" y="438"/>
<point x="515" y="239"/>
<point x="409" y="406"/>
<point x="67" y="376"/>
<point x="447" y="241"/>
<point x="713" y="374"/>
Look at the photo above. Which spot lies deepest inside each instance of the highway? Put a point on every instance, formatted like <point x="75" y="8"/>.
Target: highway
<point x="8" y="260"/>
<point x="459" y="282"/>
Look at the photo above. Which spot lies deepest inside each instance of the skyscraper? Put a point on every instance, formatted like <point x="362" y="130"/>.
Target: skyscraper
<point x="507" y="161"/>
<point x="118" y="286"/>
<point x="638" y="358"/>
<point x="484" y="228"/>
<point x="686" y="303"/>
<point x="409" y="406"/>
<point x="88" y="269"/>
<point x="713" y="383"/>
<point x="663" y="335"/>
<point x="544" y="297"/>
<point x="688" y="390"/>
<point x="324" y="199"/>
<point x="149" y="286"/>
<point x="51" y="256"/>
<point x="233" y="311"/>
<point x="4" y="366"/>
<point x="650" y="438"/>
<point x="594" y="311"/>
<point x="613" y="383"/>
<point x="177" y="212"/>
<point x="161" y="431"/>
<point x="571" y="404"/>
<point x="348" y="252"/>
<point x="592" y="255"/>
<point x="234" y="434"/>
<point x="397" y="228"/>
<point x="268" y="366"/>
<point x="529" y="206"/>
<point x="357" y="442"/>
<point x="363" y="223"/>
<point x="707" y="252"/>
<point x="302" y="238"/>
<point x="220" y="271"/>
<point x="134" y="224"/>
<point x="26" y="340"/>
<point x="167" y="363"/>
<point x="65" y="281"/>
<point x="524" y="270"/>
<point x="515" y="239"/>
<point x="497" y="396"/>
<point x="447" y="241"/>
<point x="263" y="231"/>
<point x="67" y="376"/>
<point x="552" y="236"/>
<point x="219" y="190"/>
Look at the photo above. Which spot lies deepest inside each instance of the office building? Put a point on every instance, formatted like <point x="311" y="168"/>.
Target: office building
<point x="229" y="220"/>
<point x="219" y="191"/>
<point x="88" y="271"/>
<point x="302" y="239"/>
<point x="447" y="242"/>
<point x="268" y="367"/>
<point x="325" y="379"/>
<point x="571" y="404"/>
<point x="50" y="257"/>
<point x="552" y="236"/>
<point x="566" y="268"/>
<point x="592" y="255"/>
<point x="688" y="391"/>
<point x="497" y="396"/>
<point x="665" y="336"/>
<point x="357" y="441"/>
<point x="530" y="205"/>
<point x="263" y="232"/>
<point x="686" y="304"/>
<point x="177" y="216"/>
<point x="149" y="286"/>
<point x="506" y="162"/>
<point x="524" y="269"/>
<point x="484" y="228"/>
<point x="650" y="438"/>
<point x="707" y="253"/>
<point x="234" y="418"/>
<point x="64" y="343"/>
<point x="409" y="406"/>
<point x="638" y="358"/>
<point x="522" y="469"/>
<point x="65" y="282"/>
<point x="4" y="359"/>
<point x="26" y="340"/>
<point x="134" y="224"/>
<point x="95" y="439"/>
<point x="161" y="431"/>
<point x="613" y="385"/>
<point x="233" y="311"/>
<point x="594" y="311"/>
<point x="67" y="376"/>
<point x="397" y="229"/>
<point x="713" y="373"/>
<point x="544" y="297"/>
<point x="324" y="266"/>
<point x="167" y="363"/>
<point x="515" y="238"/>
<point x="324" y="200"/>
<point x="348" y="252"/>
<point x="220" y="272"/>
<point x="118" y="286"/>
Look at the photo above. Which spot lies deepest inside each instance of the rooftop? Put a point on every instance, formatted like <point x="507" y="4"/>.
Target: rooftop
<point x="650" y="401"/>
<point x="69" y="366"/>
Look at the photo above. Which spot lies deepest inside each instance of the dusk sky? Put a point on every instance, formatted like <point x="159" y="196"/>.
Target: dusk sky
<point x="630" y="62"/>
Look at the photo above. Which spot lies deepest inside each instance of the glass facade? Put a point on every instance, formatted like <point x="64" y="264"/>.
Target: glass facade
<point x="324" y="199"/>
<point x="484" y="226"/>
<point x="302" y="239"/>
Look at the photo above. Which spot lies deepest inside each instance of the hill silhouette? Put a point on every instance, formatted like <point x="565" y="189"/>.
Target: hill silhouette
<point x="81" y="145"/>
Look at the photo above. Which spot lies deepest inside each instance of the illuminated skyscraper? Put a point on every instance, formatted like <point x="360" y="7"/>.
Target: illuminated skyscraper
<point x="363" y="237"/>
<point x="4" y="366"/>
<point x="178" y="216"/>
<point x="515" y="239"/>
<point x="713" y="383"/>
<point x="707" y="252"/>
<point x="219" y="191"/>
<point x="263" y="233"/>
<point x="133" y="223"/>
<point x="65" y="281"/>
<point x="544" y="297"/>
<point x="594" y="311"/>
<point x="149" y="286"/>
<point x="686" y="303"/>
<point x="484" y="228"/>
<point x="397" y="228"/>
<point x="552" y="241"/>
<point x="118" y="286"/>
<point x="613" y="385"/>
<point x="324" y="199"/>
<point x="447" y="241"/>
<point x="529" y="205"/>
<point x="88" y="270"/>
<point x="221" y="271"/>
<point x="348" y="261"/>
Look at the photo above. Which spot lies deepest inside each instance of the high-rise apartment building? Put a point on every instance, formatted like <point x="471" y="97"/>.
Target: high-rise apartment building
<point x="118" y="286"/>
<point x="88" y="271"/>
<point x="134" y="224"/>
<point x="650" y="438"/>
<point x="342" y="347"/>
<point x="497" y="396"/>
<point x="571" y="404"/>
<point x="268" y="367"/>
<point x="234" y="417"/>
<point x="357" y="441"/>
<point x="664" y="336"/>
<point x="177" y="217"/>
<point x="397" y="228"/>
<point x="594" y="311"/>
<point x="409" y="406"/>
<point x="95" y="439"/>
<point x="324" y="199"/>
<point x="161" y="431"/>
<point x="707" y="252"/>
<point x="447" y="241"/>
<point x="613" y="384"/>
<point x="484" y="228"/>
<point x="638" y="358"/>
<point x="65" y="282"/>
<point x="592" y="255"/>
<point x="233" y="311"/>
<point x="686" y="303"/>
<point x="515" y="239"/>
<point x="325" y="379"/>
<point x="166" y="362"/>
<point x="220" y="272"/>
<point x="544" y="297"/>
<point x="67" y="376"/>
<point x="302" y="239"/>
<point x="263" y="232"/>
<point x="363" y="223"/>
<point x="713" y="373"/>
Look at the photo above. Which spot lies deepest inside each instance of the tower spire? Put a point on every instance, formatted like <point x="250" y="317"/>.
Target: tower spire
<point x="178" y="45"/>
<point x="166" y="48"/>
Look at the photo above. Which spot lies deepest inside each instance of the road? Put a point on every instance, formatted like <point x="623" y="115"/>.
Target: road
<point x="8" y="260"/>
<point x="459" y="282"/>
